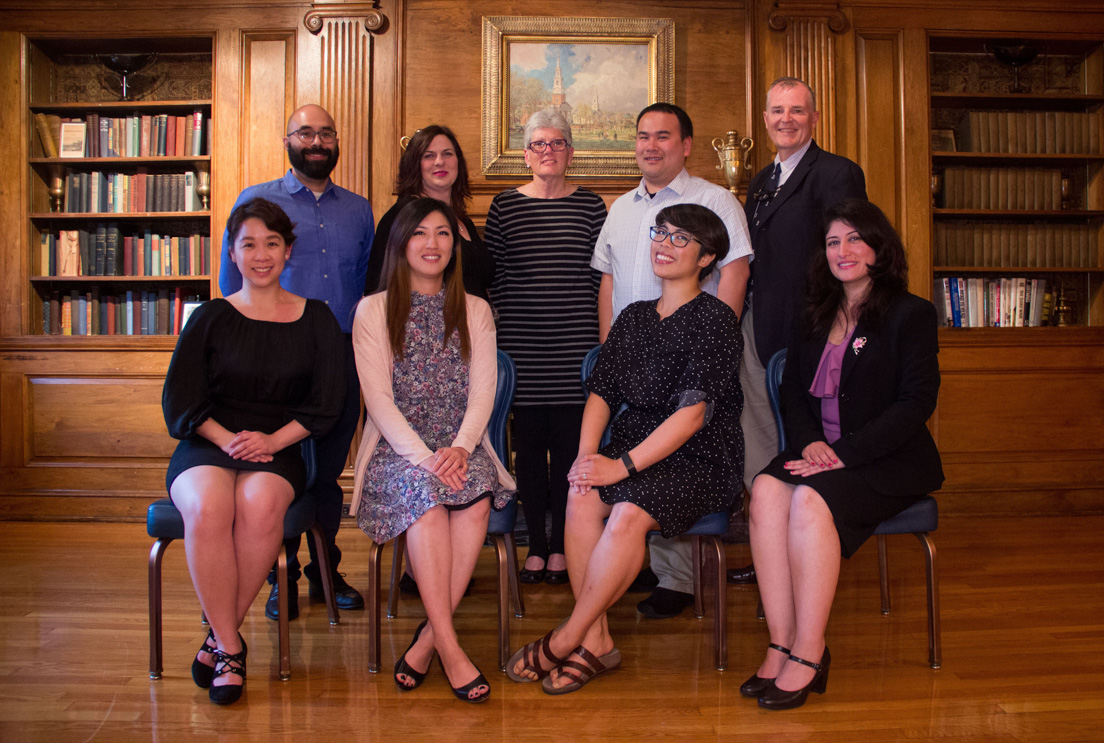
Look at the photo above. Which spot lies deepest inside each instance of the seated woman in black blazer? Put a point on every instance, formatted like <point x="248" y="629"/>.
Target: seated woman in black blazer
<point x="861" y="380"/>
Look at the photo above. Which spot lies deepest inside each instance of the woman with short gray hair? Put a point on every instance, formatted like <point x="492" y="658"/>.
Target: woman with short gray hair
<point x="542" y="236"/>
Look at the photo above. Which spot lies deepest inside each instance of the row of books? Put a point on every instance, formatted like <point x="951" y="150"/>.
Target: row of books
<point x="1031" y="132"/>
<point x="129" y="193"/>
<point x="1016" y="302"/>
<point x="138" y="312"/>
<point x="103" y="250"/>
<point x="1016" y="245"/>
<point x="151" y="135"/>
<point x="1002" y="188"/>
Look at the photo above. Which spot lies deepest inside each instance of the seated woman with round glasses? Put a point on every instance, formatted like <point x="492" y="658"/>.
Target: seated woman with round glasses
<point x="675" y="452"/>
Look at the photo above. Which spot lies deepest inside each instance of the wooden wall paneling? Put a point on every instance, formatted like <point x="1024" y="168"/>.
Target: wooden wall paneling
<point x="227" y="142"/>
<point x="880" y="120"/>
<point x="13" y="148"/>
<point x="710" y="75"/>
<point x="268" y="64"/>
<point x="386" y="112"/>
<point x="915" y="225"/>
<point x="346" y="92"/>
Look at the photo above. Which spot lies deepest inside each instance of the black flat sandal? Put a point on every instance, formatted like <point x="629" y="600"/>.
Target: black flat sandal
<point x="203" y="674"/>
<point x="225" y="663"/>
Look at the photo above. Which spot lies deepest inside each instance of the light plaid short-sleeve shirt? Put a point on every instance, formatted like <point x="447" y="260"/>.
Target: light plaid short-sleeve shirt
<point x="624" y="245"/>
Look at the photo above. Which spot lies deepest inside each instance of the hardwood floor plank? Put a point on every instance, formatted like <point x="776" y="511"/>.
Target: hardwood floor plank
<point x="1022" y="617"/>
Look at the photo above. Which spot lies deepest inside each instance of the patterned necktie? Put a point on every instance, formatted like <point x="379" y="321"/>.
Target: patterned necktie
<point x="768" y="192"/>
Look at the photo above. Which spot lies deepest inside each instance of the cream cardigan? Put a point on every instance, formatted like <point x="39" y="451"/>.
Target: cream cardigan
<point x="374" y="362"/>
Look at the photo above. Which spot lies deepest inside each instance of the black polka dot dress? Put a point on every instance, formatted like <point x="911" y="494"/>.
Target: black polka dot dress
<point x="657" y="367"/>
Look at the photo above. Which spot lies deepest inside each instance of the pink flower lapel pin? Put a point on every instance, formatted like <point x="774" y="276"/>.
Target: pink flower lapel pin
<point x="857" y="344"/>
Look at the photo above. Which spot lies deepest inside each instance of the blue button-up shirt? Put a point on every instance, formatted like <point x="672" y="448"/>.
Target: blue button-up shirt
<point x="333" y="237"/>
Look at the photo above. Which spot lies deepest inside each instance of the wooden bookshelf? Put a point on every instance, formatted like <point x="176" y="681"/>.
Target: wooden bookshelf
<point x="1021" y="194"/>
<point x="67" y="80"/>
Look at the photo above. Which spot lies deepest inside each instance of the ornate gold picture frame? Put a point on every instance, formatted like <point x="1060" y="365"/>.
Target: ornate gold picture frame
<point x="598" y="71"/>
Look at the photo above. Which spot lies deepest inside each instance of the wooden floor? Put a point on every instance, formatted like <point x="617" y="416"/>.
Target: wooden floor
<point x="1023" y="633"/>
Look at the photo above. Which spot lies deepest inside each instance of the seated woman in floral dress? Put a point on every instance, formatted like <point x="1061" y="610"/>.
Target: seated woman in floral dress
<point x="425" y="355"/>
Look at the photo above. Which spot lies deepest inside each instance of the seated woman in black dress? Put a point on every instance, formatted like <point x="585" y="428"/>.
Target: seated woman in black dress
<point x="425" y="355"/>
<point x="861" y="380"/>
<point x="675" y="453"/>
<point x="252" y="375"/>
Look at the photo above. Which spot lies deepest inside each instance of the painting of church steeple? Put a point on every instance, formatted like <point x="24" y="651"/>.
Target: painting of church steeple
<point x="558" y="95"/>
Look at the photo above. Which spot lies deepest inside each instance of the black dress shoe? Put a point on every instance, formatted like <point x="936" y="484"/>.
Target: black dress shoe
<point x="665" y="603"/>
<point x="645" y="582"/>
<point x="272" y="606"/>
<point x="556" y="577"/>
<point x="779" y="699"/>
<point x="227" y="663"/>
<point x="742" y="576"/>
<point x="756" y="685"/>
<point x="346" y="596"/>
<point x="531" y="577"/>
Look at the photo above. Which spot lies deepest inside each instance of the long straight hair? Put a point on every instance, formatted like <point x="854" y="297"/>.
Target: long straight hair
<point x="396" y="277"/>
<point x="889" y="274"/>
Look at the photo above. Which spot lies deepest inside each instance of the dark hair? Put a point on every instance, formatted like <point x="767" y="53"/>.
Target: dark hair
<point x="409" y="180"/>
<point x="686" y="127"/>
<point x="706" y="227"/>
<point x="274" y="218"/>
<point x="889" y="274"/>
<point x="396" y="276"/>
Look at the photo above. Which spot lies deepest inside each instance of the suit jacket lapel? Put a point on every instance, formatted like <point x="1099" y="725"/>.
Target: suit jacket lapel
<point x="857" y="347"/>
<point x="792" y="183"/>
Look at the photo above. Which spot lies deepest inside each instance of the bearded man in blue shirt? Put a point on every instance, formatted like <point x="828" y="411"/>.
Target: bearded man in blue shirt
<point x="329" y="260"/>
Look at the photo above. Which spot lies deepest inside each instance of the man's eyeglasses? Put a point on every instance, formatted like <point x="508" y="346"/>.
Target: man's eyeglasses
<point x="557" y="145"/>
<point x="678" y="239"/>
<point x="306" y="136"/>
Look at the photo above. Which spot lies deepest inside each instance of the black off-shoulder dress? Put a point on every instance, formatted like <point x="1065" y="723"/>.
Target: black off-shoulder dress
<point x="252" y="375"/>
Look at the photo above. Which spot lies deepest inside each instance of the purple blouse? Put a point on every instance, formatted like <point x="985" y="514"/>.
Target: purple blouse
<point x="826" y="386"/>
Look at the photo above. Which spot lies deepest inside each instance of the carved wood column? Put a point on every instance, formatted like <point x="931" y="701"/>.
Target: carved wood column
<point x="344" y="31"/>
<point x="808" y="52"/>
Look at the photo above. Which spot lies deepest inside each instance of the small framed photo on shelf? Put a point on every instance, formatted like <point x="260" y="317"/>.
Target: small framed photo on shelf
<point x="943" y="140"/>
<point x="73" y="135"/>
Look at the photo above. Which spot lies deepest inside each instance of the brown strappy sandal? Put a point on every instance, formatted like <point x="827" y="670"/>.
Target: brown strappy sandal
<point x="531" y="654"/>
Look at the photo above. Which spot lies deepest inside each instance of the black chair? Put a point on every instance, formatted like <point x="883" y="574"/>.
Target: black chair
<point x="165" y="524"/>
<point x="500" y="528"/>
<point x="919" y="519"/>
<point x="709" y="554"/>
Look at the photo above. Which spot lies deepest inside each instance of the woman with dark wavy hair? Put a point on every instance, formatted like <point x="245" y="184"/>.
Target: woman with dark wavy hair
<point x="426" y="358"/>
<point x="433" y="166"/>
<point x="861" y="380"/>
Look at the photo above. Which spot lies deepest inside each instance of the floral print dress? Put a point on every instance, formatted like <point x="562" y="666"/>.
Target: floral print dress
<point x="430" y="384"/>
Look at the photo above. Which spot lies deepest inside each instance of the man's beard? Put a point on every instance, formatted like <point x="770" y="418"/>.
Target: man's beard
<point x="317" y="169"/>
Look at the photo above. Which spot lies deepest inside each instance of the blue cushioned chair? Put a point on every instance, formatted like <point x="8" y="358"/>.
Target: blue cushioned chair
<point x="919" y="519"/>
<point x="709" y="554"/>
<point x="164" y="523"/>
<point x="500" y="529"/>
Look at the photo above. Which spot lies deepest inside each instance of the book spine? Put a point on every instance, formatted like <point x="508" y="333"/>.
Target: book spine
<point x="45" y="137"/>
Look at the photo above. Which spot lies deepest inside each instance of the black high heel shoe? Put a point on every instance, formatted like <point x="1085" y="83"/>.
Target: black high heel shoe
<point x="756" y="685"/>
<point x="463" y="692"/>
<point x="203" y="674"/>
<point x="779" y="699"/>
<point x="401" y="666"/>
<point x="228" y="663"/>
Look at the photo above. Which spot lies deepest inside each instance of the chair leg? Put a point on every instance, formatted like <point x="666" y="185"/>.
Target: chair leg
<point x="284" y="623"/>
<point x="374" y="551"/>
<point x="696" y="561"/>
<point x="759" y="613"/>
<point x="503" y="565"/>
<point x="716" y="557"/>
<point x="935" y="649"/>
<point x="327" y="573"/>
<point x="883" y="572"/>
<point x="515" y="578"/>
<point x="397" y="554"/>
<point x="156" y="554"/>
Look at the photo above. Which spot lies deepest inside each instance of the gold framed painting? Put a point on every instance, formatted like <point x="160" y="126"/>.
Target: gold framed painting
<point x="599" y="72"/>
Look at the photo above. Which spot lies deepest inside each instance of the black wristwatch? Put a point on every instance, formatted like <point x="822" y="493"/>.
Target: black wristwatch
<point x="627" y="461"/>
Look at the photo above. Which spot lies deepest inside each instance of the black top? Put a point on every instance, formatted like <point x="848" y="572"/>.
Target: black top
<point x="656" y="367"/>
<point x="252" y="375"/>
<point x="545" y="292"/>
<point x="478" y="264"/>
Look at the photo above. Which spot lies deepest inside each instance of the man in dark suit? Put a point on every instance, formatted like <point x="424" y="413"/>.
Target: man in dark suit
<point x="784" y="206"/>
